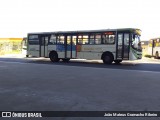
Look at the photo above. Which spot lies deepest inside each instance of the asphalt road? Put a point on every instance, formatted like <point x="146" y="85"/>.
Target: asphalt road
<point x="144" y="65"/>
<point x="39" y="85"/>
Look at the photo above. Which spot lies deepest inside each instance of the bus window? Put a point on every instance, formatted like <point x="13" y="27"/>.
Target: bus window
<point x="74" y="39"/>
<point x="111" y="39"/>
<point x="98" y="39"/>
<point x="150" y="43"/>
<point x="52" y="40"/>
<point x="158" y="42"/>
<point x="60" y="40"/>
<point x="33" y="39"/>
<point x="69" y="40"/>
<point x="108" y="39"/>
<point x="126" y="39"/>
<point x="80" y="40"/>
<point x="85" y="39"/>
<point x="120" y="39"/>
<point x="103" y="39"/>
<point x="91" y="40"/>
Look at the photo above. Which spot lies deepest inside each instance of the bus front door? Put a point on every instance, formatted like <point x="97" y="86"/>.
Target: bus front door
<point x="44" y="46"/>
<point x="122" y="46"/>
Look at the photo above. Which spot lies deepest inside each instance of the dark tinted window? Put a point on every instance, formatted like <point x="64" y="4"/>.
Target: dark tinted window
<point x="33" y="39"/>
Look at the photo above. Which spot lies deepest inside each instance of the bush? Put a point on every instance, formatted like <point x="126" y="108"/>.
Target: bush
<point x="149" y="56"/>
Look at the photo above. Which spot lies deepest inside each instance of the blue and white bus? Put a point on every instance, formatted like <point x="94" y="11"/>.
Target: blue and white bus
<point x="108" y="45"/>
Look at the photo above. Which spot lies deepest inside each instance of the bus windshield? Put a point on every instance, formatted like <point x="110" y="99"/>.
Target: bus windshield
<point x="136" y="42"/>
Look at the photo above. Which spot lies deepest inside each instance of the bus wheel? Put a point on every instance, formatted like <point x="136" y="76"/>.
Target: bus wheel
<point x="157" y="55"/>
<point x="117" y="61"/>
<point x="54" y="57"/>
<point x="107" y="58"/>
<point x="66" y="60"/>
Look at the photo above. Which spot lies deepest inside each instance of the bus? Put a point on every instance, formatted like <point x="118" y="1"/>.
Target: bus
<point x="108" y="45"/>
<point x="154" y="47"/>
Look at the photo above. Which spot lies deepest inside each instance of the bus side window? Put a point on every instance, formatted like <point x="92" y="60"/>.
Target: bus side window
<point x="98" y="39"/>
<point x="52" y="40"/>
<point x="60" y="39"/>
<point x="91" y="39"/>
<point x="85" y="39"/>
<point x="103" y="39"/>
<point x="108" y="39"/>
<point x="80" y="39"/>
<point x="74" y="39"/>
<point x="111" y="39"/>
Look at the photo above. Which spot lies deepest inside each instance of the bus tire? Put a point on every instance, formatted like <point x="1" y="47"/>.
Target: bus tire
<point x="66" y="60"/>
<point x="156" y="55"/>
<point x="54" y="57"/>
<point x="117" y="61"/>
<point x="107" y="58"/>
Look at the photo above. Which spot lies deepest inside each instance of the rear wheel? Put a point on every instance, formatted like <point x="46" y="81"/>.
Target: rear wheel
<point x="107" y="58"/>
<point x="117" y="61"/>
<point x="66" y="60"/>
<point x="54" y="57"/>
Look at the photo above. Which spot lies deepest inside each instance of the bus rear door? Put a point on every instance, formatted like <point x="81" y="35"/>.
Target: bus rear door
<point x="44" y="45"/>
<point x="70" y="47"/>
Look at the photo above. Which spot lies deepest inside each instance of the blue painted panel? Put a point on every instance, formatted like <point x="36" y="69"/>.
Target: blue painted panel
<point x="69" y="47"/>
<point x="60" y="48"/>
<point x="73" y="47"/>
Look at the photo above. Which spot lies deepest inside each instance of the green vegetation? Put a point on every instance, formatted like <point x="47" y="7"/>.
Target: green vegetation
<point x="10" y="46"/>
<point x="149" y="56"/>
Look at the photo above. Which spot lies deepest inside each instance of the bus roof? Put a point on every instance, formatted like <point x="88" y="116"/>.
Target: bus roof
<point x="87" y="31"/>
<point x="154" y="38"/>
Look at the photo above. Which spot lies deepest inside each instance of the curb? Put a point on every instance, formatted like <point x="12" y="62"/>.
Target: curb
<point x="151" y="59"/>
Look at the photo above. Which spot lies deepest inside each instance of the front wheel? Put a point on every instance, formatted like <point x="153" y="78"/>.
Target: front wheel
<point x="107" y="59"/>
<point x="54" y="57"/>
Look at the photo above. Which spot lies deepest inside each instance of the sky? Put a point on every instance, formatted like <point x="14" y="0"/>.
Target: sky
<point x="19" y="17"/>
